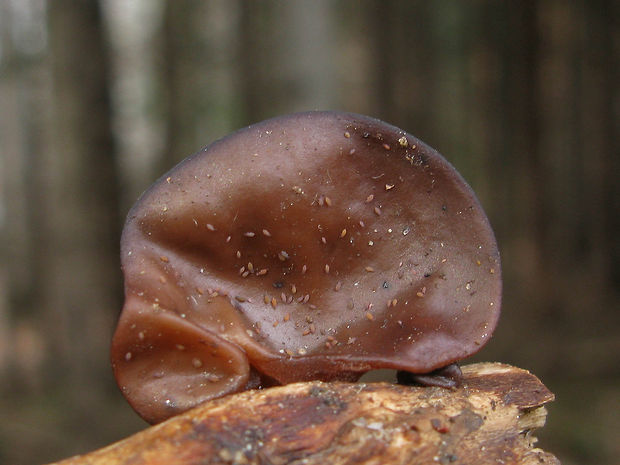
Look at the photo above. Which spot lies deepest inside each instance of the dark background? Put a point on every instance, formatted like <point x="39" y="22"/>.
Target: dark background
<point x="98" y="99"/>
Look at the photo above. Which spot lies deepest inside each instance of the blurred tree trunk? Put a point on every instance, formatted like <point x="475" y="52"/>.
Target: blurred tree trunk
<point x="199" y="98"/>
<point x="403" y="53"/>
<point x="288" y="55"/>
<point x="23" y="92"/>
<point x="600" y="148"/>
<point x="78" y="263"/>
<point x="182" y="59"/>
<point x="252" y="79"/>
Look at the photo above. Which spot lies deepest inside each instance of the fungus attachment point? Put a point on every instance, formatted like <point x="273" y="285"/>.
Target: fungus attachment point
<point x="311" y="262"/>
<point x="447" y="377"/>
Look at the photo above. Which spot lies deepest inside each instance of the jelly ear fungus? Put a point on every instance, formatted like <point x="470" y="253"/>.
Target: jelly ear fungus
<point x="316" y="245"/>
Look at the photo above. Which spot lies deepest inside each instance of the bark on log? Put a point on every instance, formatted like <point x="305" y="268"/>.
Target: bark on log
<point x="488" y="420"/>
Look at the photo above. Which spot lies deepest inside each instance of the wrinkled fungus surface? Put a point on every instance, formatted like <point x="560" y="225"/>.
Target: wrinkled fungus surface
<point x="311" y="246"/>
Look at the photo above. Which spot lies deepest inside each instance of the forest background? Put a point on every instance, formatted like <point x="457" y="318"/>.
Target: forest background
<point x="99" y="98"/>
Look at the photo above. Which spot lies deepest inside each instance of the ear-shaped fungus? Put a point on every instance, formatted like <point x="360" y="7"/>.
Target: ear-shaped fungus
<point x="317" y="245"/>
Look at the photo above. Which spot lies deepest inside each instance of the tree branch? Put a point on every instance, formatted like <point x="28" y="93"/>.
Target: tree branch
<point x="488" y="420"/>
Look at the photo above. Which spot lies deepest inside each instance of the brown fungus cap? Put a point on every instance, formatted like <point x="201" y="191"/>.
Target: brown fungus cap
<point x="311" y="246"/>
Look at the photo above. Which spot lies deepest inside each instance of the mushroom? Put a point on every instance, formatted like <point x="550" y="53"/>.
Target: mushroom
<point x="312" y="246"/>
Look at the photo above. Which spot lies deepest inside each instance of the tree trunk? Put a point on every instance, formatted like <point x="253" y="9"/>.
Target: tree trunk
<point x="81" y="292"/>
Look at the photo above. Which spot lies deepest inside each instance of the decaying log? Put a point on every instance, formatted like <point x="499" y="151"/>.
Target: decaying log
<point x="488" y="420"/>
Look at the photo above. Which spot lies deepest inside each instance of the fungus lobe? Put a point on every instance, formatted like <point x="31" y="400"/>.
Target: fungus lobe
<point x="283" y="242"/>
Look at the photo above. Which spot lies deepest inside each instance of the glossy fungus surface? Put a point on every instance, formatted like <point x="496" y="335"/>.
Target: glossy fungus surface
<point x="316" y="245"/>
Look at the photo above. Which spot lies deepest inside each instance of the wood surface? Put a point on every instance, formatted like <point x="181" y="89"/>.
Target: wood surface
<point x="488" y="420"/>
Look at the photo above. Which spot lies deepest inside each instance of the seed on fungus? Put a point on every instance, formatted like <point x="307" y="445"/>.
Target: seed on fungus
<point x="369" y="316"/>
<point x="196" y="362"/>
<point x="306" y="298"/>
<point x="328" y="201"/>
<point x="168" y="179"/>
<point x="283" y="256"/>
<point x="241" y="270"/>
<point x="293" y="289"/>
<point x="238" y="254"/>
<point x="338" y="286"/>
<point x="210" y="227"/>
<point x="283" y="297"/>
<point x="240" y="299"/>
<point x="251" y="267"/>
<point x="304" y="269"/>
<point x="266" y="299"/>
<point x="274" y="302"/>
<point x="162" y="280"/>
<point x="492" y="270"/>
<point x="266" y="233"/>
<point x="262" y="272"/>
<point x="343" y="232"/>
<point x="377" y="211"/>
<point x="394" y="302"/>
<point x="287" y="317"/>
<point x="369" y="269"/>
<point x="289" y="352"/>
<point x="245" y="274"/>
<point x="275" y="323"/>
<point x="386" y="146"/>
<point x="164" y="259"/>
<point x="128" y="356"/>
<point x="228" y="239"/>
<point x="302" y="351"/>
<point x="370" y="198"/>
<point x="321" y="201"/>
<point x="421" y="292"/>
<point x="389" y="187"/>
<point x="249" y="234"/>
<point x="323" y="240"/>
<point x="347" y="134"/>
<point x="327" y="269"/>
<point x="403" y="141"/>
